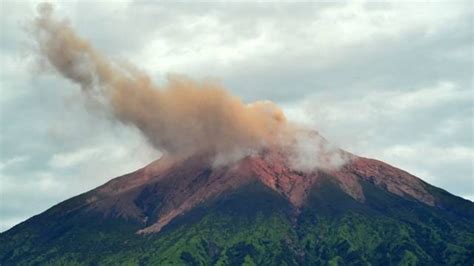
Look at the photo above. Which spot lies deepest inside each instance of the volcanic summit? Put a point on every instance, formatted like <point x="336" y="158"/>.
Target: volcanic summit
<point x="167" y="188"/>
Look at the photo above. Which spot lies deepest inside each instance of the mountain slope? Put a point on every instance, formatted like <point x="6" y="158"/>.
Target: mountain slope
<point x="258" y="210"/>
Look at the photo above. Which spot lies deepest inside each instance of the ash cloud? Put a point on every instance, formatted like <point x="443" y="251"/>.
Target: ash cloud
<point x="180" y="118"/>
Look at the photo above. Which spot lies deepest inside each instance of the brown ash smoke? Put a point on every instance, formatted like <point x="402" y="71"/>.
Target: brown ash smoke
<point x="181" y="118"/>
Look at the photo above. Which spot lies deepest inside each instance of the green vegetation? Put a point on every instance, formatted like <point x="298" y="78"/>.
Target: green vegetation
<point x="255" y="226"/>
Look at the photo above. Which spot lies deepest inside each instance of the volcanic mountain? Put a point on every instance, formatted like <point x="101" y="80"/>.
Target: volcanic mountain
<point x="258" y="210"/>
<point x="277" y="202"/>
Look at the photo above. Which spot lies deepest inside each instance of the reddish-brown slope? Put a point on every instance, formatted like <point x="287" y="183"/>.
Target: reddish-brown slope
<point x="168" y="187"/>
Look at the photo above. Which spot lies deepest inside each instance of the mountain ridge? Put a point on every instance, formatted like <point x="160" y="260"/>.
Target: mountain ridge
<point x="170" y="197"/>
<point x="273" y="171"/>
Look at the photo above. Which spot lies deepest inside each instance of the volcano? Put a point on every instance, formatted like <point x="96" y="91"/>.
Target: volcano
<point x="258" y="210"/>
<point x="239" y="183"/>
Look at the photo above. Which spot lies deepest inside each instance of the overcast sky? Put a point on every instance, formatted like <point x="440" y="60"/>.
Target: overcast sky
<point x="382" y="80"/>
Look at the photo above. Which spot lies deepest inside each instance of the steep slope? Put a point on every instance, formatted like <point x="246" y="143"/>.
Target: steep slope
<point x="260" y="210"/>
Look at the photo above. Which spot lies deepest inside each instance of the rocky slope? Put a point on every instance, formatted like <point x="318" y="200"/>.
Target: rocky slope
<point x="189" y="211"/>
<point x="178" y="185"/>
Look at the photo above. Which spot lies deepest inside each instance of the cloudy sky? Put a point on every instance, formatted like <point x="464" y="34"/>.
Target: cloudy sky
<point x="382" y="80"/>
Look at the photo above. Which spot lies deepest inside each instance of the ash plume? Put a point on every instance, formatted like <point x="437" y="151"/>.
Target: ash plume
<point x="181" y="118"/>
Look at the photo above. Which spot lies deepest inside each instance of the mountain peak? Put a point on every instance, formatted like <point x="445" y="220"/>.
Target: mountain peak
<point x="169" y="187"/>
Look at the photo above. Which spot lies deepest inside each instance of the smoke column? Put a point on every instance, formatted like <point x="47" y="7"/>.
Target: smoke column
<point x="181" y="118"/>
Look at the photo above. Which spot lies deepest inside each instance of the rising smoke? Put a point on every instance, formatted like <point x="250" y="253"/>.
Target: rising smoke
<point x="181" y="118"/>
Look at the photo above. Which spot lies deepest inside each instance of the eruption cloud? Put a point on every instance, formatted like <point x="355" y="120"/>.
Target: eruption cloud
<point x="181" y="118"/>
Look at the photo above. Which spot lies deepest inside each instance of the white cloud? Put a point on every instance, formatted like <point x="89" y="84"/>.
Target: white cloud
<point x="435" y="155"/>
<point x="13" y="161"/>
<point x="443" y="92"/>
<point x="69" y="159"/>
<point x="214" y="42"/>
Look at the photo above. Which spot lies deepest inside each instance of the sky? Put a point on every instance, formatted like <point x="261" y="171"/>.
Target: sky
<point x="385" y="80"/>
